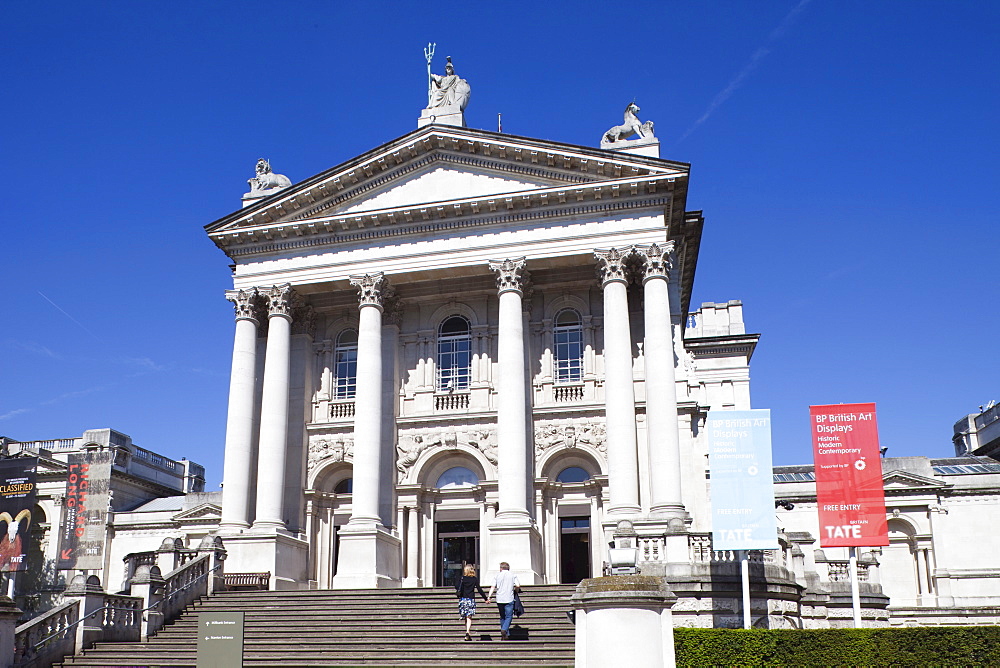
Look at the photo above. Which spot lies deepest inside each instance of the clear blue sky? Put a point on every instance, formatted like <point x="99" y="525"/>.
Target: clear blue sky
<point x="844" y="153"/>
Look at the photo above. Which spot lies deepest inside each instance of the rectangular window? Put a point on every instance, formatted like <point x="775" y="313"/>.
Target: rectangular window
<point x="346" y="373"/>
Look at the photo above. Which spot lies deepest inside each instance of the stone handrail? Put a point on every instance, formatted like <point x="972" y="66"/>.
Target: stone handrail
<point x="840" y="571"/>
<point x="64" y="630"/>
<point x="44" y="639"/>
<point x="183" y="585"/>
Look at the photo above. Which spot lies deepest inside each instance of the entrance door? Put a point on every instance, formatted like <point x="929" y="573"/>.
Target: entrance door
<point x="574" y="552"/>
<point x="457" y="545"/>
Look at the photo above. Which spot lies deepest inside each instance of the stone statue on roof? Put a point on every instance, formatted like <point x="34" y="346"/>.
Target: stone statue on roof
<point x="630" y="126"/>
<point x="266" y="179"/>
<point x="447" y="90"/>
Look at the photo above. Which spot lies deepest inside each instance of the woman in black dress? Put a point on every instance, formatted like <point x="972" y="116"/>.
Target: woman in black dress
<point x="465" y="588"/>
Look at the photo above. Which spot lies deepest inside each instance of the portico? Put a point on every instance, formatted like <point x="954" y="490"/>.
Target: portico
<point x="489" y="364"/>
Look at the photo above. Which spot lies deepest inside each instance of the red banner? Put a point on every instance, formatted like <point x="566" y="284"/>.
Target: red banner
<point x="849" y="490"/>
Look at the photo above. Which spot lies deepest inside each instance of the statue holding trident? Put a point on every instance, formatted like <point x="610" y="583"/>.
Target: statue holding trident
<point x="447" y="90"/>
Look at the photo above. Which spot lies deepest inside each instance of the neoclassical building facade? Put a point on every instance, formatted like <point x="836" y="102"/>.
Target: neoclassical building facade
<point x="465" y="347"/>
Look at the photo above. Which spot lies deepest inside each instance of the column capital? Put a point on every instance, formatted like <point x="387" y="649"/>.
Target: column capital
<point x="246" y="303"/>
<point x="613" y="264"/>
<point x="657" y="260"/>
<point x="303" y="318"/>
<point x="511" y="275"/>
<point x="279" y="301"/>
<point x="370" y="292"/>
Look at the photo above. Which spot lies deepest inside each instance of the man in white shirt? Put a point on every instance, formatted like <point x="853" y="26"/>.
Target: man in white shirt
<point x="505" y="584"/>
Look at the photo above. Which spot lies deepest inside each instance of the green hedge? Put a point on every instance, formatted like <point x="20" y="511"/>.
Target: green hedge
<point x="940" y="646"/>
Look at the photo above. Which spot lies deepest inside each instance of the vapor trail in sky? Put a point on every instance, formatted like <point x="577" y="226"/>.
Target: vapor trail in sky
<point x="69" y="316"/>
<point x="748" y="69"/>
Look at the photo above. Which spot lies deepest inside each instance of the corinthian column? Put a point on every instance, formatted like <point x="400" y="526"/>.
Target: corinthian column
<point x="619" y="394"/>
<point x="274" y="411"/>
<point x="239" y="421"/>
<point x="370" y="555"/>
<point x="368" y="402"/>
<point x="513" y="454"/>
<point x="661" y="391"/>
<point x="513" y="537"/>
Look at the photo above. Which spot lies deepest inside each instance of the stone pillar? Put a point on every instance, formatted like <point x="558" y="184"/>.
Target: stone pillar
<point x="511" y="416"/>
<point x="412" y="547"/>
<point x="239" y="423"/>
<point x="619" y="394"/>
<point x="147" y="584"/>
<point x="370" y="555"/>
<point x="274" y="412"/>
<point x="391" y="317"/>
<point x="661" y="391"/>
<point x="8" y="627"/>
<point x="368" y="403"/>
<point x="513" y="536"/>
<point x="611" y="610"/>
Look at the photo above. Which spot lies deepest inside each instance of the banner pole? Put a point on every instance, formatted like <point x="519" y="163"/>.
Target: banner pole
<point x="745" y="576"/>
<point x="852" y="566"/>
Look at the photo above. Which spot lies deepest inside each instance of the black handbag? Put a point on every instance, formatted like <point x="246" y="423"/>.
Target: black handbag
<point x="518" y="606"/>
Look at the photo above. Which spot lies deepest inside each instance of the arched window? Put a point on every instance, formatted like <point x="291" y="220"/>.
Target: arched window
<point x="457" y="476"/>
<point x="345" y="486"/>
<point x="454" y="356"/>
<point x="568" y="346"/>
<point x="573" y="474"/>
<point x="345" y="365"/>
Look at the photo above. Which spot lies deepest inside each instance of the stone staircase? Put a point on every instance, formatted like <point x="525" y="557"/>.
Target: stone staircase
<point x="363" y="627"/>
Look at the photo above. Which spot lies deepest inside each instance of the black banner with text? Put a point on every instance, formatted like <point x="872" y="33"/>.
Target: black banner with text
<point x="82" y="536"/>
<point x="17" y="499"/>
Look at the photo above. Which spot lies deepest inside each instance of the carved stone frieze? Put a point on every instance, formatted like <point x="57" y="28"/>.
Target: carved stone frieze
<point x="329" y="448"/>
<point x="657" y="260"/>
<point x="279" y="300"/>
<point x="613" y="264"/>
<point x="414" y="443"/>
<point x="370" y="292"/>
<point x="568" y="434"/>
<point x="511" y="274"/>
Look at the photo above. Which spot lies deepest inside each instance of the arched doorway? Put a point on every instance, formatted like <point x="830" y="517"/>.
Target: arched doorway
<point x="329" y="508"/>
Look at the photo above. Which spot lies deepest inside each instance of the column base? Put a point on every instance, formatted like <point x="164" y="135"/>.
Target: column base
<point x="233" y="528"/>
<point x="673" y="516"/>
<point x="285" y="557"/>
<point x="266" y="527"/>
<point x="517" y="543"/>
<point x="370" y="557"/>
<point x="623" y="512"/>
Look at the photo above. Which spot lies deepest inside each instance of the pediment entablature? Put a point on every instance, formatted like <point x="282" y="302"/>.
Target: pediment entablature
<point x="901" y="481"/>
<point x="438" y="173"/>
<point x="205" y="512"/>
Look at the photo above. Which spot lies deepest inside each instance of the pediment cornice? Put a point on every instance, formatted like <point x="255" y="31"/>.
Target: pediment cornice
<point x="601" y="198"/>
<point x="569" y="168"/>
<point x="904" y="482"/>
<point x="198" y="514"/>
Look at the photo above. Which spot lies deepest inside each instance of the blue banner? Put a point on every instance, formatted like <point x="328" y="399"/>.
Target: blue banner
<point x="742" y="486"/>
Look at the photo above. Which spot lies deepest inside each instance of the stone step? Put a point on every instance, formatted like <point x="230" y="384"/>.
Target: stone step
<point x="415" y="627"/>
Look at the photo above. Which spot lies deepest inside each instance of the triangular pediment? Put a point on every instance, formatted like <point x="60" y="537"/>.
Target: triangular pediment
<point x="200" y="513"/>
<point x="439" y="182"/>
<point x="904" y="481"/>
<point x="436" y="167"/>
